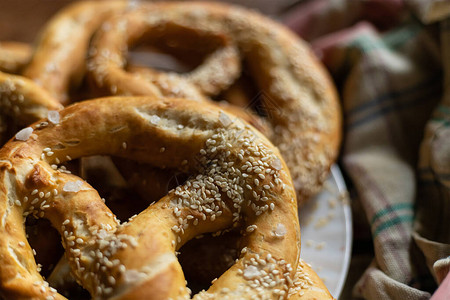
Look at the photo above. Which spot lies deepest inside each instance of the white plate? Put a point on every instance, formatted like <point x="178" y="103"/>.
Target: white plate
<point x="326" y="227"/>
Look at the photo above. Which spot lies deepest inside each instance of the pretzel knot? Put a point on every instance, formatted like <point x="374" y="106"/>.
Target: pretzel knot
<point x="295" y="92"/>
<point x="238" y="179"/>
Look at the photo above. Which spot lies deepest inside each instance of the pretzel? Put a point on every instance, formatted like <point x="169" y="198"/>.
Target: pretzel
<point x="238" y="180"/>
<point x="295" y="89"/>
<point x="59" y="59"/>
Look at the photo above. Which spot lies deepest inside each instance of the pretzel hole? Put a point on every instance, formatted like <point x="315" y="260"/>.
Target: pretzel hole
<point x="171" y="47"/>
<point x="150" y="56"/>
<point x="46" y="241"/>
<point x="8" y="127"/>
<point x="241" y="92"/>
<point x="207" y="257"/>
<point x="122" y="181"/>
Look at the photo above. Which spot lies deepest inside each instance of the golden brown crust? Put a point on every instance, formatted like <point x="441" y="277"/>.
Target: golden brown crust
<point x="295" y="90"/>
<point x="307" y="285"/>
<point x="14" y="56"/>
<point x="58" y="62"/>
<point x="24" y="101"/>
<point x="134" y="259"/>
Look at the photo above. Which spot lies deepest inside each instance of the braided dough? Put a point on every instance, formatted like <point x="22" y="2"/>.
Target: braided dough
<point x="294" y="88"/>
<point x="238" y="178"/>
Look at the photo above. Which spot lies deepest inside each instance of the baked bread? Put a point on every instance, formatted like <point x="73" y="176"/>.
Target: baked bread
<point x="238" y="179"/>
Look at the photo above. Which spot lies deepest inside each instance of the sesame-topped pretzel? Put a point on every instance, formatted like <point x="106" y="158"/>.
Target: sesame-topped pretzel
<point x="238" y="179"/>
<point x="44" y="75"/>
<point x="295" y="90"/>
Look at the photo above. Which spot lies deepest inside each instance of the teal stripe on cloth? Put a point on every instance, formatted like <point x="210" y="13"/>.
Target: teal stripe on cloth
<point x="444" y="122"/>
<point x="434" y="80"/>
<point x="389" y="209"/>
<point x="392" y="222"/>
<point x="443" y="109"/>
<point x="435" y="88"/>
<point x="394" y="39"/>
<point x="442" y="115"/>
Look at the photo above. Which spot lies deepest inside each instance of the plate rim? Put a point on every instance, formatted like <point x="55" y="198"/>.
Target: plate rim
<point x="342" y="189"/>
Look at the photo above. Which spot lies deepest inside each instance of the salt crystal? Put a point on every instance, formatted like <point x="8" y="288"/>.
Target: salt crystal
<point x="53" y="116"/>
<point x="224" y="119"/>
<point x="251" y="272"/>
<point x="154" y="119"/>
<point x="280" y="230"/>
<point x="24" y="134"/>
<point x="276" y="164"/>
<point x="73" y="186"/>
<point x="133" y="276"/>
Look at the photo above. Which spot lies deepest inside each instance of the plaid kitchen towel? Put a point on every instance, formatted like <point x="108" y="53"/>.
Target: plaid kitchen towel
<point x="391" y="62"/>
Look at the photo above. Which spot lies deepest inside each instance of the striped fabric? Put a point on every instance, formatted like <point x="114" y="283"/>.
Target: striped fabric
<point x="391" y="62"/>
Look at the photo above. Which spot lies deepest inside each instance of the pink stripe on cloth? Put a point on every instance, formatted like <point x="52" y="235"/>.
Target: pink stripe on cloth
<point x="325" y="47"/>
